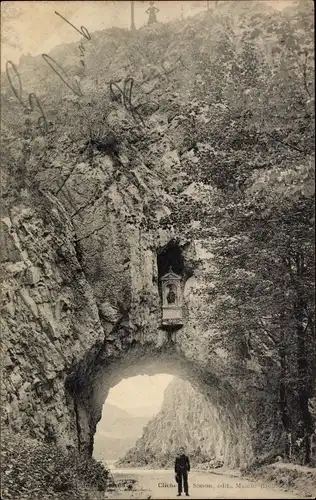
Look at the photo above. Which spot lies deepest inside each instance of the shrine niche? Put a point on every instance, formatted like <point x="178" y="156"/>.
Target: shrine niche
<point x="171" y="299"/>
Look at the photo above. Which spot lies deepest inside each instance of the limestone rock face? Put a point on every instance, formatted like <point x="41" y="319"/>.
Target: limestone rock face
<point x="48" y="314"/>
<point x="186" y="419"/>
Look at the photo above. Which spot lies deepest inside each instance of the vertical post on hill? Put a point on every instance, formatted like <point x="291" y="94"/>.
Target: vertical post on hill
<point x="132" y="16"/>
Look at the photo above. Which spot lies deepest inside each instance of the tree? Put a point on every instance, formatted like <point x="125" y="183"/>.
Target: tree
<point x="250" y="137"/>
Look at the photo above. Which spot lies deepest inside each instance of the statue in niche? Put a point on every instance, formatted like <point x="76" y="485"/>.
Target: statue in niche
<point x="152" y="13"/>
<point x="171" y="296"/>
<point x="171" y="299"/>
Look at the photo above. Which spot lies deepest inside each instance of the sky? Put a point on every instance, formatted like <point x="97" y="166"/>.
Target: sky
<point x="140" y="391"/>
<point x="38" y="29"/>
<point x="34" y="27"/>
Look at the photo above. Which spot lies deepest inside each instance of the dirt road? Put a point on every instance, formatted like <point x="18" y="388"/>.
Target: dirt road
<point x="160" y="484"/>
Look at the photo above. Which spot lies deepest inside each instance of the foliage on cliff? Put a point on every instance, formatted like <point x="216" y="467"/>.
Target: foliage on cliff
<point x="245" y="129"/>
<point x="252" y="141"/>
<point x="33" y="470"/>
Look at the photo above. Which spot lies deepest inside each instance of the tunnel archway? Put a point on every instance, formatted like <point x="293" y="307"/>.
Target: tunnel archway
<point x="93" y="391"/>
<point x="146" y="418"/>
<point x="132" y="342"/>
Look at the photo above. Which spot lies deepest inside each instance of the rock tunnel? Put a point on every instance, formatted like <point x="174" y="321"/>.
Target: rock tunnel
<point x="147" y="348"/>
<point x="79" y="335"/>
<point x="140" y="360"/>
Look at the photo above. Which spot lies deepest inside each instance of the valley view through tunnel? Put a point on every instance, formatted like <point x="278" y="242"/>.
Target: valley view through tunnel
<point x="157" y="230"/>
<point x="146" y="419"/>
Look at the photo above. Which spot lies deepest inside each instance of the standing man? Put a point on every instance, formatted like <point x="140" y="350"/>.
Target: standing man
<point x="181" y="468"/>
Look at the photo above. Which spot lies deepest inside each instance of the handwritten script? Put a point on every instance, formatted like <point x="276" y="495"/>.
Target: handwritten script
<point x="57" y="68"/>
<point x="126" y="92"/>
<point x="33" y="100"/>
<point x="61" y="73"/>
<point x="83" y="31"/>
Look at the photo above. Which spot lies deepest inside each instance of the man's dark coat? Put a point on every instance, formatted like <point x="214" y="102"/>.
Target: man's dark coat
<point x="181" y="468"/>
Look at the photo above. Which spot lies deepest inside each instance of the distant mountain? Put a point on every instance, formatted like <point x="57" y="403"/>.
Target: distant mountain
<point x="144" y="411"/>
<point x="110" y="415"/>
<point x="118" y="431"/>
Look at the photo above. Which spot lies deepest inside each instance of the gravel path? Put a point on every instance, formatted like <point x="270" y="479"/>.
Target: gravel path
<point x="160" y="484"/>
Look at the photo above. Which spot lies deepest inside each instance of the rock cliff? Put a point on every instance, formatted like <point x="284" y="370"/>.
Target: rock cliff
<point x="48" y="309"/>
<point x="186" y="419"/>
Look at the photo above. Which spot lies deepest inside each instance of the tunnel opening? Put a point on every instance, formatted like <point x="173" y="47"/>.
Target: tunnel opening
<point x="234" y="447"/>
<point x="128" y="408"/>
<point x="146" y="419"/>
